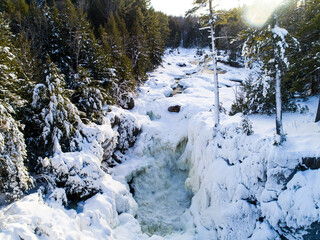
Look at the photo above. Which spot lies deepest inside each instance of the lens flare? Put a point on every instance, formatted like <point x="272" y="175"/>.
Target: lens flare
<point x="259" y="11"/>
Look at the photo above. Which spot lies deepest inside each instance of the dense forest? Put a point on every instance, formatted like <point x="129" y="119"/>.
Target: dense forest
<point x="288" y="45"/>
<point x="62" y="62"/>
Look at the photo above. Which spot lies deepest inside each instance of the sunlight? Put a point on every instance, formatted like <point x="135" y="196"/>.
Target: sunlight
<point x="259" y="11"/>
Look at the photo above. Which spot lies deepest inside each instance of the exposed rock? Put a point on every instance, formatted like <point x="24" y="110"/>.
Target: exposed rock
<point x="311" y="162"/>
<point x="232" y="63"/>
<point x="177" y="89"/>
<point x="181" y="64"/>
<point x="108" y="149"/>
<point x="236" y="80"/>
<point x="127" y="101"/>
<point x="175" y="108"/>
<point x="128" y="129"/>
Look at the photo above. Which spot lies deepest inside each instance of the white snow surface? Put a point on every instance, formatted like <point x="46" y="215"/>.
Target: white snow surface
<point x="191" y="181"/>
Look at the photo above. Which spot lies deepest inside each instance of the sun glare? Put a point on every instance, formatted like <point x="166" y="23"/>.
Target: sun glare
<point x="259" y="11"/>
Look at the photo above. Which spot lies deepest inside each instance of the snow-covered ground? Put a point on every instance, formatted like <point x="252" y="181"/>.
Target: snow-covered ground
<point x="189" y="180"/>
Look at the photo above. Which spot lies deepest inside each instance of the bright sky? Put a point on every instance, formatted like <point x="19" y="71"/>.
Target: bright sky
<point x="256" y="14"/>
<point x="179" y="7"/>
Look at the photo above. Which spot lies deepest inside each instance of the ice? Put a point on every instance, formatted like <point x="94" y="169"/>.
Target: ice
<point x="189" y="180"/>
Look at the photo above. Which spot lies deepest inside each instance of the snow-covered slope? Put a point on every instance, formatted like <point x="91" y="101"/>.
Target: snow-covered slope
<point x="189" y="180"/>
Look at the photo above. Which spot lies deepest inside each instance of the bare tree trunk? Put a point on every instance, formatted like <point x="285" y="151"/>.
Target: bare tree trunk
<point x="318" y="113"/>
<point x="279" y="127"/>
<point x="216" y="87"/>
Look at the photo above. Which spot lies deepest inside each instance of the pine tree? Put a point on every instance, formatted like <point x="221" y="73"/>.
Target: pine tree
<point x="272" y="46"/>
<point x="88" y="97"/>
<point x="10" y="70"/>
<point x="76" y="35"/>
<point x="304" y="74"/>
<point x="164" y="27"/>
<point x="14" y="178"/>
<point x="54" y="124"/>
<point x="228" y="33"/>
<point x="124" y="81"/>
<point x="29" y="66"/>
<point x="54" y="43"/>
<point x="154" y="40"/>
<point x="138" y="51"/>
<point x="175" y="33"/>
<point x="122" y="28"/>
<point x="18" y="11"/>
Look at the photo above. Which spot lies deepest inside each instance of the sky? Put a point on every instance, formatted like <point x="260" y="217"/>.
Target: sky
<point x="256" y="13"/>
<point x="179" y="7"/>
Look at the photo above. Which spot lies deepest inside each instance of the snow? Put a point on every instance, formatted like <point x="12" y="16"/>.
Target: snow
<point x="190" y="180"/>
<point x="281" y="32"/>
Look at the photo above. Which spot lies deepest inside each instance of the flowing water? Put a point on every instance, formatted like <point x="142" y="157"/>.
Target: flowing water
<point x="161" y="195"/>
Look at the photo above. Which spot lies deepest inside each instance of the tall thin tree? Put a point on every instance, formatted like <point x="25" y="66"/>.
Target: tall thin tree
<point x="215" y="73"/>
<point x="210" y="25"/>
<point x="272" y="46"/>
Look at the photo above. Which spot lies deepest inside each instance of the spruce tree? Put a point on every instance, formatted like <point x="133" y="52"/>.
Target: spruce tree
<point x="76" y="35"/>
<point x="305" y="71"/>
<point x="124" y="81"/>
<point x="14" y="178"/>
<point x="272" y="45"/>
<point x="53" y="126"/>
<point x="54" y="43"/>
<point x="137" y="50"/>
<point x="154" y="40"/>
<point x="88" y="97"/>
<point x="175" y="33"/>
<point x="8" y="64"/>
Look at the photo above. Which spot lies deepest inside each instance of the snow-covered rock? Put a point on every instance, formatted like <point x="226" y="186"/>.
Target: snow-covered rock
<point x="245" y="186"/>
<point x="127" y="127"/>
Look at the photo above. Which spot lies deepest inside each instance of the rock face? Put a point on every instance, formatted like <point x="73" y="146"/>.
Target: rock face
<point x="175" y="108"/>
<point x="109" y="147"/>
<point x="127" y="101"/>
<point x="127" y="130"/>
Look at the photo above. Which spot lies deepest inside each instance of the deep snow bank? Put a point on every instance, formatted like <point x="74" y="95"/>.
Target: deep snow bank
<point x="36" y="218"/>
<point x="244" y="186"/>
<point x="76" y="176"/>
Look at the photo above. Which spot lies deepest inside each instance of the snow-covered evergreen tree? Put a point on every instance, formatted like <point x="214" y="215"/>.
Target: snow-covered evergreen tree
<point x="255" y="95"/>
<point x="14" y="178"/>
<point x="88" y="97"/>
<point x="272" y="46"/>
<point x="124" y="81"/>
<point x="137" y="50"/>
<point x="54" y="39"/>
<point x="56" y="119"/>
<point x="154" y="40"/>
<point x="9" y="67"/>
